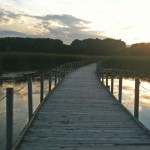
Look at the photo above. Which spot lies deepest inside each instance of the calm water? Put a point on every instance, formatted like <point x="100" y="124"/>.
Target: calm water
<point x="128" y="98"/>
<point x="21" y="110"/>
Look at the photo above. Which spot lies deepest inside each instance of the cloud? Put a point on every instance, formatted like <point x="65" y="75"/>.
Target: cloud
<point x="67" y="20"/>
<point x="67" y="27"/>
<point x="7" y="16"/>
<point x="7" y="33"/>
<point x="64" y="27"/>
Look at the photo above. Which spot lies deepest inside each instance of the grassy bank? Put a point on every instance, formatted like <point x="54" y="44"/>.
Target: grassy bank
<point x="134" y="64"/>
<point x="42" y="61"/>
<point x="30" y="61"/>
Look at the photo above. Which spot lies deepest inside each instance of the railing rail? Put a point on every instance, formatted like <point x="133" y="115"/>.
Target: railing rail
<point x="57" y="74"/>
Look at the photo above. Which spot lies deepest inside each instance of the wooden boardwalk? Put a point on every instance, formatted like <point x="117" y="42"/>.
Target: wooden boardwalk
<point x="82" y="115"/>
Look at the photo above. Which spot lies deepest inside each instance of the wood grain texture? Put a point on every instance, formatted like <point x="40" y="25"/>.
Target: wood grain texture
<point x="81" y="115"/>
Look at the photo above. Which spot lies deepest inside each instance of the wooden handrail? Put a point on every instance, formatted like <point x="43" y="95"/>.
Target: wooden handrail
<point x="58" y="75"/>
<point x="100" y="75"/>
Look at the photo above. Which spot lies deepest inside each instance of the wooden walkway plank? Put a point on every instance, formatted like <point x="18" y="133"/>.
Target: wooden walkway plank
<point x="82" y="115"/>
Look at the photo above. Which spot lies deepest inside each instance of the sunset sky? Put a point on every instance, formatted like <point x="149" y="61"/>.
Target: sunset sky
<point x="128" y="20"/>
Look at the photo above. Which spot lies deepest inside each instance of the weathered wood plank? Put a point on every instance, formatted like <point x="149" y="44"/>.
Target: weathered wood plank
<point x="81" y="115"/>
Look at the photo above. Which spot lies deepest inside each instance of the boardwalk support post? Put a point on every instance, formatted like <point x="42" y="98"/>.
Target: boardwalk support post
<point x="50" y="80"/>
<point x="112" y="83"/>
<point x="98" y="69"/>
<point x="73" y="66"/>
<point x="59" y="73"/>
<point x="55" y="76"/>
<point x="30" y="105"/>
<point x="78" y="64"/>
<point x="107" y="79"/>
<point x="120" y="87"/>
<point x="102" y="77"/>
<point x="9" y="118"/>
<point x="136" y="100"/>
<point x="42" y="87"/>
<point x="64" y="70"/>
<point x="70" y="66"/>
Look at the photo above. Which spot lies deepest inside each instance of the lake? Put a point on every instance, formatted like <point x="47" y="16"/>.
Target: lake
<point x="128" y="98"/>
<point x="20" y="110"/>
<point x="21" y="102"/>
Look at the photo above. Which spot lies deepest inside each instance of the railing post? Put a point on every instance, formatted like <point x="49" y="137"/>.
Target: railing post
<point x="59" y="73"/>
<point x="98" y="69"/>
<point x="102" y="77"/>
<point x="9" y="118"/>
<point x="78" y="64"/>
<point x="106" y="79"/>
<point x="120" y="87"/>
<point x="68" y="68"/>
<point x="55" y="76"/>
<point x="112" y="83"/>
<point x="30" y="105"/>
<point x="74" y="65"/>
<point x="42" y="87"/>
<point x="64" y="70"/>
<point x="136" y="100"/>
<point x="50" y="80"/>
<point x="71" y="66"/>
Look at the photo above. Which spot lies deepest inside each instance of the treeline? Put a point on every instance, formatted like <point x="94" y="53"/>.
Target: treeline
<point x="104" y="47"/>
<point x="87" y="46"/>
<point x="140" y="49"/>
<point x="30" y="45"/>
<point x="97" y="46"/>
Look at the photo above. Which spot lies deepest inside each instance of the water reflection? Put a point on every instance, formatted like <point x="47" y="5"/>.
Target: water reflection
<point x="128" y="98"/>
<point x="20" y="109"/>
<point x="21" y="103"/>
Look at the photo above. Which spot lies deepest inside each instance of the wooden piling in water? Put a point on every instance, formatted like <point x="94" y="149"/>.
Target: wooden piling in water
<point x="55" y="76"/>
<point x="9" y="118"/>
<point x="50" y="80"/>
<point x="42" y="87"/>
<point x="112" y="83"/>
<point x="30" y="105"/>
<point x="120" y="87"/>
<point x="136" y="100"/>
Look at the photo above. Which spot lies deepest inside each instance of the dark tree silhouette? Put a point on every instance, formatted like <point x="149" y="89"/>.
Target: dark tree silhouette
<point x="89" y="46"/>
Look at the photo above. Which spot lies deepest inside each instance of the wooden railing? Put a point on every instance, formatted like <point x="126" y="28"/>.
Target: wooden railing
<point x="57" y="74"/>
<point x="104" y="74"/>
